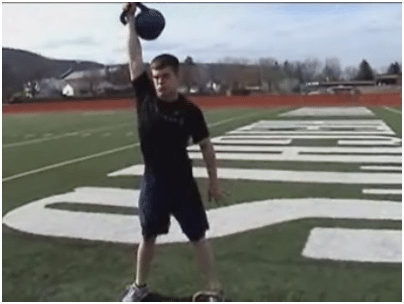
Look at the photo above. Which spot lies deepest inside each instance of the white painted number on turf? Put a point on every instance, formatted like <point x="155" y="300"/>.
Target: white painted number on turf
<point x="364" y="141"/>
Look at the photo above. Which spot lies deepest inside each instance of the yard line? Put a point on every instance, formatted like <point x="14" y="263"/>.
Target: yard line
<point x="323" y="177"/>
<point x="382" y="191"/>
<point x="96" y="155"/>
<point x="69" y="162"/>
<point x="381" y="168"/>
<point x="393" y="110"/>
<point x="33" y="141"/>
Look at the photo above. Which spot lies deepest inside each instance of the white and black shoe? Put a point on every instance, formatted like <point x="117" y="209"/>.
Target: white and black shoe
<point x="135" y="293"/>
<point x="209" y="296"/>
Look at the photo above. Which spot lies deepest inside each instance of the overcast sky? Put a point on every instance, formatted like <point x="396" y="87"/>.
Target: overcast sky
<point x="209" y="32"/>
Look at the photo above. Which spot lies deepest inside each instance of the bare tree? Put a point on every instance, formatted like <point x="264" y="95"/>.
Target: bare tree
<point x="311" y="68"/>
<point x="350" y="73"/>
<point x="190" y="76"/>
<point x="332" y="70"/>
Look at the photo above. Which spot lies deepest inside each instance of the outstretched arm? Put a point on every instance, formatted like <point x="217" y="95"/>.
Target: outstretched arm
<point x="136" y="66"/>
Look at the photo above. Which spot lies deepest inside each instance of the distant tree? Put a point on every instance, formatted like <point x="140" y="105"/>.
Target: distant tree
<point x="394" y="68"/>
<point x="267" y="62"/>
<point x="287" y="68"/>
<point x="332" y="70"/>
<point x="189" y="61"/>
<point x="299" y="73"/>
<point x="192" y="75"/>
<point x="270" y="73"/>
<point x="311" y="69"/>
<point x="235" y="60"/>
<point x="350" y="73"/>
<point x="365" y="71"/>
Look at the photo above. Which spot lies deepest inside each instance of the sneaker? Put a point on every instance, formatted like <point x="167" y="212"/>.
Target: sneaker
<point x="136" y="294"/>
<point x="209" y="296"/>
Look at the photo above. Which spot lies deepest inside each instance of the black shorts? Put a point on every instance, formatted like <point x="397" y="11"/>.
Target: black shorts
<point x="161" y="197"/>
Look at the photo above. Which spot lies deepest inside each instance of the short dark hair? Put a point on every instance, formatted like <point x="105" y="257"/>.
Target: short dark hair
<point x="165" y="60"/>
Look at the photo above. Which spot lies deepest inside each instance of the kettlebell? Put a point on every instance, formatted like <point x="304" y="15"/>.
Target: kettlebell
<point x="149" y="23"/>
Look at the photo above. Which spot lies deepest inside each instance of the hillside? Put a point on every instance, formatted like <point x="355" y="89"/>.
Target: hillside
<point x="21" y="66"/>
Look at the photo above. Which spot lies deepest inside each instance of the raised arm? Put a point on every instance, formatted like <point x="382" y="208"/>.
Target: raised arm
<point x="136" y="66"/>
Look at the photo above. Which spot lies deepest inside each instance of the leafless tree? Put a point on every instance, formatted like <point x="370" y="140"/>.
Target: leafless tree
<point x="332" y="70"/>
<point x="350" y="72"/>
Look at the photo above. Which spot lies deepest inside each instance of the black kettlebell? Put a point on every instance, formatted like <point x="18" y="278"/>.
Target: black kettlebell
<point x="149" y="23"/>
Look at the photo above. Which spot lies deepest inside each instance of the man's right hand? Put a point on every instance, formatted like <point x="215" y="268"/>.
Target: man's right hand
<point x="130" y="8"/>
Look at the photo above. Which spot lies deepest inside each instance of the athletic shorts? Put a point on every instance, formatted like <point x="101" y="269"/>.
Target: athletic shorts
<point x="161" y="197"/>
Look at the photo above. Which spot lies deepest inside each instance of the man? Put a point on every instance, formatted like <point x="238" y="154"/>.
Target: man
<point x="167" y="122"/>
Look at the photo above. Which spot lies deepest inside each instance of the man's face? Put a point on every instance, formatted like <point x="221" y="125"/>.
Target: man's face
<point x="166" y="83"/>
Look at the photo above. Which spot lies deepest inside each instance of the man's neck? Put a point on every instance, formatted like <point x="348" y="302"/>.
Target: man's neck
<point x="171" y="98"/>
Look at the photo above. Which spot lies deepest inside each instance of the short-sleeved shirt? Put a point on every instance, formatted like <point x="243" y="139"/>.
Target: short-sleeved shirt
<point x="166" y="129"/>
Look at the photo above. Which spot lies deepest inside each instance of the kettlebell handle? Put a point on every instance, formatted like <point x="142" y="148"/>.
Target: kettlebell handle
<point x="142" y="6"/>
<point x="139" y="5"/>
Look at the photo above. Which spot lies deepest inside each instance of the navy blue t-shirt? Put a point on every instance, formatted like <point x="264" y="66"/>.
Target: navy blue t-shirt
<point x="166" y="129"/>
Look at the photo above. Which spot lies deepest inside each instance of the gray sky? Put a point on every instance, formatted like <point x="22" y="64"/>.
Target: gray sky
<point x="209" y="32"/>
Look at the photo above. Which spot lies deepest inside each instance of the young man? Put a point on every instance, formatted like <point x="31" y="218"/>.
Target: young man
<point x="167" y="122"/>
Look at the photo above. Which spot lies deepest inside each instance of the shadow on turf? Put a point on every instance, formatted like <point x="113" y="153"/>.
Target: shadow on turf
<point x="156" y="297"/>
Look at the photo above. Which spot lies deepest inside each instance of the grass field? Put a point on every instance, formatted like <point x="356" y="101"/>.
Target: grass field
<point x="48" y="154"/>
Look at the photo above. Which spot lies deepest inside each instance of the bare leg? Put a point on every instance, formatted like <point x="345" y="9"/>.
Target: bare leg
<point x="206" y="262"/>
<point x="145" y="254"/>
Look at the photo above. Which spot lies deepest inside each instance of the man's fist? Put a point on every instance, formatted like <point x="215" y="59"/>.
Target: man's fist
<point x="130" y="8"/>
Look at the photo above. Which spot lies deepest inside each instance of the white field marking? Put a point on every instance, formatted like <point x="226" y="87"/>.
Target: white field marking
<point x="106" y="134"/>
<point x="389" y="141"/>
<point x="33" y="141"/>
<point x="85" y="134"/>
<point x="285" y="175"/>
<point x="290" y="156"/>
<point x="330" y="111"/>
<point x="29" y="135"/>
<point x="82" y="158"/>
<point x="48" y="135"/>
<point x="382" y="191"/>
<point x="382" y="168"/>
<point x="248" y="127"/>
<point x="393" y="110"/>
<point x="69" y="162"/>
<point x="336" y="122"/>
<point x="359" y="245"/>
<point x="36" y="218"/>
<point x="264" y="126"/>
<point x="98" y="112"/>
<point x="277" y="141"/>
<point x="325" y="132"/>
<point x="285" y="137"/>
<point x="129" y="133"/>
<point x="296" y="150"/>
<point x="23" y="115"/>
<point x="270" y="129"/>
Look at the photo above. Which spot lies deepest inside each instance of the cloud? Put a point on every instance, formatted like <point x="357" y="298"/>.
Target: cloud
<point x="209" y="32"/>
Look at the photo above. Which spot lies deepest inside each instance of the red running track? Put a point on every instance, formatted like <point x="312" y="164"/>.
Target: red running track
<point x="207" y="102"/>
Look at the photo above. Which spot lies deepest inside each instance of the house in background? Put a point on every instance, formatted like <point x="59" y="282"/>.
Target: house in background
<point x="88" y="83"/>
